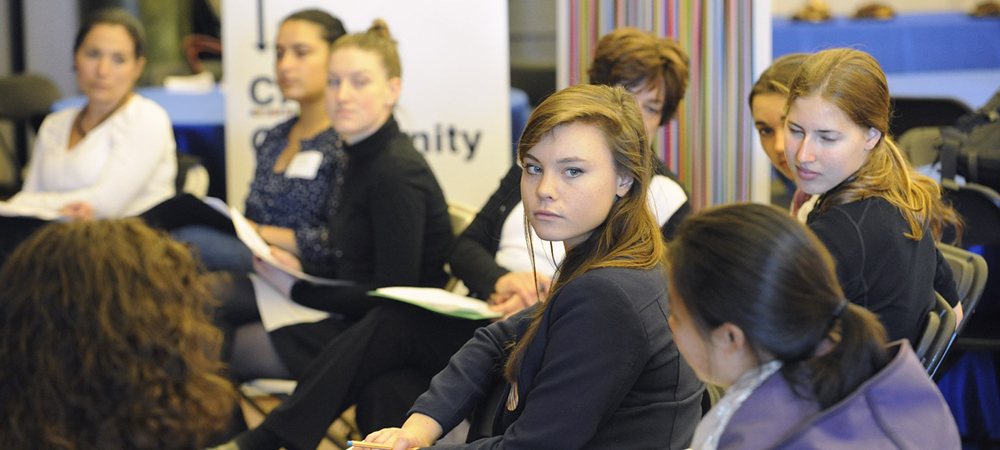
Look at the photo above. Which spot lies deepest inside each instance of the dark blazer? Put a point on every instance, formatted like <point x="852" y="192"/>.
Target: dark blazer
<point x="473" y="260"/>
<point x="603" y="372"/>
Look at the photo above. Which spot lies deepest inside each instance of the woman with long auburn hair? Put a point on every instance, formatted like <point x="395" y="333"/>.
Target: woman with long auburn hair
<point x="594" y="365"/>
<point x="878" y="217"/>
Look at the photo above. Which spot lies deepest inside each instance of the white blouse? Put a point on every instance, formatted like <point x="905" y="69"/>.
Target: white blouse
<point x="123" y="167"/>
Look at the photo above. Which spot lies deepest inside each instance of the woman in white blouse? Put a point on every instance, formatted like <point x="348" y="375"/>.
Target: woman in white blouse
<point x="115" y="156"/>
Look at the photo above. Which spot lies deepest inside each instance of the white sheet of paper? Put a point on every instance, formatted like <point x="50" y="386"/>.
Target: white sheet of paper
<point x="278" y="311"/>
<point x="9" y="209"/>
<point x="218" y="204"/>
<point x="440" y="300"/>
<point x="262" y="250"/>
<point x="305" y="164"/>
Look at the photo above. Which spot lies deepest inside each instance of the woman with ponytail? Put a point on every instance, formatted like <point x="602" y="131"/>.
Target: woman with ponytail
<point x="594" y="364"/>
<point x="756" y="307"/>
<point x="876" y="215"/>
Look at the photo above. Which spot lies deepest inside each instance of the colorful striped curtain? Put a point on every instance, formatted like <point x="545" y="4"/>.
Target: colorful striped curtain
<point x="709" y="145"/>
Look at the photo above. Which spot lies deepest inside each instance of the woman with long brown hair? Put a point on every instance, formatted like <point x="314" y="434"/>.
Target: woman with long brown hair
<point x="879" y="218"/>
<point x="594" y="365"/>
<point x="105" y="342"/>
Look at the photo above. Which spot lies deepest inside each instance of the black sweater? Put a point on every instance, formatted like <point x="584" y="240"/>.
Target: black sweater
<point x="881" y="269"/>
<point x="389" y="227"/>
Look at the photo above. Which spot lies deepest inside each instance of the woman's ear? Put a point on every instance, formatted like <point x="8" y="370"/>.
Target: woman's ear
<point x="872" y="137"/>
<point x="729" y="338"/>
<point x="395" y="88"/>
<point x="624" y="184"/>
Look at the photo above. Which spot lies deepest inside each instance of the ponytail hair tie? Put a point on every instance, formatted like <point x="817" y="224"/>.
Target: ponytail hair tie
<point x="837" y="313"/>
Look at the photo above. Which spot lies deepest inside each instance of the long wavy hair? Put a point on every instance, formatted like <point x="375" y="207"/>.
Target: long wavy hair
<point x="105" y="342"/>
<point x="637" y="59"/>
<point x="630" y="236"/>
<point x="756" y="267"/>
<point x="852" y="81"/>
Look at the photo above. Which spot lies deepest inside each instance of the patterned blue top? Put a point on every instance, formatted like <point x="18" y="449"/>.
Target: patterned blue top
<point x="297" y="203"/>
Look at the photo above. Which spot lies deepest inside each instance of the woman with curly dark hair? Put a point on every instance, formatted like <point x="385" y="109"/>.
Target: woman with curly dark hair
<point x="105" y="342"/>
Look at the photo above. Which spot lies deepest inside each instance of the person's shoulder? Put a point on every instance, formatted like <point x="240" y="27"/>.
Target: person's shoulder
<point x="633" y="284"/>
<point x="142" y="108"/>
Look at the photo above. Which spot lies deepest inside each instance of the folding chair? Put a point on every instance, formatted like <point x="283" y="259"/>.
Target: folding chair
<point x="938" y="334"/>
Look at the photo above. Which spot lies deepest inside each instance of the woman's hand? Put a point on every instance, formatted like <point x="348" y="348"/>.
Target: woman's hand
<point x="286" y="258"/>
<point x="516" y="290"/>
<point x="80" y="210"/>
<point x="418" y="431"/>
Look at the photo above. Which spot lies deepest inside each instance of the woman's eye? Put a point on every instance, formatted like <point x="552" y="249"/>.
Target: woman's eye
<point x="765" y="131"/>
<point x="574" y="172"/>
<point x="532" y="169"/>
<point x="333" y="82"/>
<point x="653" y="111"/>
<point x="360" y="83"/>
<point x="827" y="139"/>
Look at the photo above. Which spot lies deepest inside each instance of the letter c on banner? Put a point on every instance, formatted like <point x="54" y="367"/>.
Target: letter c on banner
<point x="254" y="91"/>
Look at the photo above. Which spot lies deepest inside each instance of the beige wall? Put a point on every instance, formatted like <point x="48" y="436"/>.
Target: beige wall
<point x="847" y="7"/>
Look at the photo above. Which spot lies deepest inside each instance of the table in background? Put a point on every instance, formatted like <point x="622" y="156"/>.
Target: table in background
<point x="198" y="120"/>
<point x="906" y="43"/>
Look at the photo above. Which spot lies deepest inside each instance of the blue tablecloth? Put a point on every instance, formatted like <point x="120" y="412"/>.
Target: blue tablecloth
<point x="906" y="43"/>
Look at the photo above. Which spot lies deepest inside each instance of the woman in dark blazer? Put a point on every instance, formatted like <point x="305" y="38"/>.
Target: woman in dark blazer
<point x="594" y="365"/>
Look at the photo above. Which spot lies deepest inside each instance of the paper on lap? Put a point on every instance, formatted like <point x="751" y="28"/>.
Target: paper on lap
<point x="262" y="250"/>
<point x="10" y="209"/>
<point x="277" y="311"/>
<point x="440" y="301"/>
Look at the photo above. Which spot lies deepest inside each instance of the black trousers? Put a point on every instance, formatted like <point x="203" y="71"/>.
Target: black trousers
<point x="382" y="363"/>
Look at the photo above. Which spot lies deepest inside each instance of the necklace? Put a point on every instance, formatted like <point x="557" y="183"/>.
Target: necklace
<point x="78" y="123"/>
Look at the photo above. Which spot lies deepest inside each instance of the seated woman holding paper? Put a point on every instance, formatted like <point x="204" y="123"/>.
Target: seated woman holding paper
<point x="388" y="222"/>
<point x="569" y="383"/>
<point x="298" y="161"/>
<point x="113" y="157"/>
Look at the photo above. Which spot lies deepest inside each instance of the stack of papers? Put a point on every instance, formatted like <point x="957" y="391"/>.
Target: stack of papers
<point x="440" y="301"/>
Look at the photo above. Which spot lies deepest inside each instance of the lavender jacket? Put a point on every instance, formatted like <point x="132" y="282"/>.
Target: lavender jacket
<point x="898" y="408"/>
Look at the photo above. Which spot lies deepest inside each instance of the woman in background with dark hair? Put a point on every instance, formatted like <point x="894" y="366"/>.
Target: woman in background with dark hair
<point x="113" y="157"/>
<point x="297" y="162"/>
<point x="767" y="105"/>
<point x="756" y="307"/>
<point x="105" y="343"/>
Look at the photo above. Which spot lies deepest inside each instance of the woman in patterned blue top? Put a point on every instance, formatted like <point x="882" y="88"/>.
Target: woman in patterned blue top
<point x="297" y="160"/>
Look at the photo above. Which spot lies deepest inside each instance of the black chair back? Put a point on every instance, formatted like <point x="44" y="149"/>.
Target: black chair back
<point x="938" y="335"/>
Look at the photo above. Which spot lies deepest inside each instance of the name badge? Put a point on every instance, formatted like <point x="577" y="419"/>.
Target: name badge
<point x="305" y="164"/>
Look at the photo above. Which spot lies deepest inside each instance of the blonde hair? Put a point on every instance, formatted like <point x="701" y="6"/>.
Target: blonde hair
<point x="630" y="236"/>
<point x="378" y="40"/>
<point x="852" y="81"/>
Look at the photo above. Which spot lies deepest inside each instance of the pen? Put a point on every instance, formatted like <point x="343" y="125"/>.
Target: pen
<point x="363" y="444"/>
